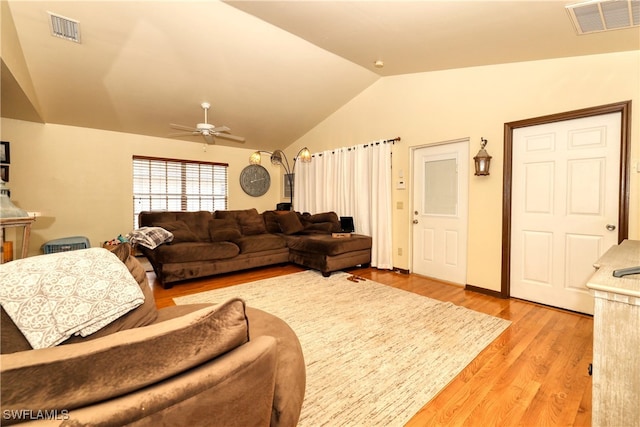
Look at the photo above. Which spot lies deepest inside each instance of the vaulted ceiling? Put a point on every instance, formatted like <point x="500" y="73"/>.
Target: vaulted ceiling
<point x="271" y="70"/>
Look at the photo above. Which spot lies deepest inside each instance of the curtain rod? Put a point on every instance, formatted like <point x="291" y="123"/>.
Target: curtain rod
<point x="386" y="141"/>
<point x="392" y="140"/>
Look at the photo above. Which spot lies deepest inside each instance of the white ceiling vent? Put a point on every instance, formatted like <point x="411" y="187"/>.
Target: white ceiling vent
<point x="603" y="15"/>
<point x="68" y="29"/>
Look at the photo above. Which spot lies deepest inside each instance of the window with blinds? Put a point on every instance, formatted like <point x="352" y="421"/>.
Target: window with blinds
<point x="178" y="185"/>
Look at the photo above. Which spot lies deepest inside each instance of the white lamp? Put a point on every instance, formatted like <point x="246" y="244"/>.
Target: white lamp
<point x="7" y="208"/>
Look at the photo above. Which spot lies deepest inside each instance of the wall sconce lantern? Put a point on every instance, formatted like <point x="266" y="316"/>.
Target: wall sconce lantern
<point x="482" y="160"/>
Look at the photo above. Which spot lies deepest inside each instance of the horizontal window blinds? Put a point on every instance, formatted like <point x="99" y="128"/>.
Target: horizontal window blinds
<point x="178" y="185"/>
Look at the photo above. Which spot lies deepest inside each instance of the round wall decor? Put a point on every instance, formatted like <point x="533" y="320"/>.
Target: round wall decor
<point x="255" y="180"/>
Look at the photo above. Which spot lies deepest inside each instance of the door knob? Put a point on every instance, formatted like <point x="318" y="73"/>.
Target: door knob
<point x="611" y="227"/>
<point x="415" y="221"/>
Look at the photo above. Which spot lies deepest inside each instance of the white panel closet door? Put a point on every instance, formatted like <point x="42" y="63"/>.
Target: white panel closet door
<point x="564" y="207"/>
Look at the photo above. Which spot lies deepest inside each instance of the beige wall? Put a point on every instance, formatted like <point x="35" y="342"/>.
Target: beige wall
<point x="428" y="108"/>
<point x="81" y="179"/>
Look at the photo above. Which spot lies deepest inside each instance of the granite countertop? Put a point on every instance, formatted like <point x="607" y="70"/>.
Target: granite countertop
<point x="624" y="255"/>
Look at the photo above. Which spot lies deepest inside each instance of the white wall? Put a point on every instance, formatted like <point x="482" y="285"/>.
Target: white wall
<point x="476" y="102"/>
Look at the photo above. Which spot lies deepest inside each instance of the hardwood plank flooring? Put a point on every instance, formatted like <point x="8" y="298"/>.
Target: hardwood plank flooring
<point x="534" y="374"/>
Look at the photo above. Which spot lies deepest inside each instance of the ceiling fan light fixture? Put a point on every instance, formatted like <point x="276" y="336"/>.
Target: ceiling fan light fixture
<point x="205" y="126"/>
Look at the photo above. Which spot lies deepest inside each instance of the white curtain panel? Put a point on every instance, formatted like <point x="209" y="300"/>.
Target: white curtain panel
<point x="352" y="181"/>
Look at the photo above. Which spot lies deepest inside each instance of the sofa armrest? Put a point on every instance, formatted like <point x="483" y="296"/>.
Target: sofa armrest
<point x="235" y="389"/>
<point x="77" y="375"/>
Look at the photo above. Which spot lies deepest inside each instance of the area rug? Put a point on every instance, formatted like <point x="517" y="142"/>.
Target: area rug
<point x="374" y="354"/>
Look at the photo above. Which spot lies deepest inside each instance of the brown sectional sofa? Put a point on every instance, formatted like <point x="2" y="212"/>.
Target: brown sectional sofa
<point x="207" y="243"/>
<point x="197" y="365"/>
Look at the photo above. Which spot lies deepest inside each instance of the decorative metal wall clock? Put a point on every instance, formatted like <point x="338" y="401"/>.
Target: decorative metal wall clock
<point x="255" y="180"/>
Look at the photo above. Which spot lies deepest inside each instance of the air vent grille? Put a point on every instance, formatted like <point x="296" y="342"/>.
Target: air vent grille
<point x="604" y="15"/>
<point x="65" y="28"/>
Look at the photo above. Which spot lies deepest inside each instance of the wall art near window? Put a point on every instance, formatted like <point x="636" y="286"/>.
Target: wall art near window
<point x="287" y="185"/>
<point x="4" y="173"/>
<point x="4" y="152"/>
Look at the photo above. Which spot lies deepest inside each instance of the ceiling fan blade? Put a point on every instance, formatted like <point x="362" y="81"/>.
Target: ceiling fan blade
<point x="220" y="129"/>
<point x="186" y="133"/>
<point x="229" y="136"/>
<point x="208" y="131"/>
<point x="182" y="127"/>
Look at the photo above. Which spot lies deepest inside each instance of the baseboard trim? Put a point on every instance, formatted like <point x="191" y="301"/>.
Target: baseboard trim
<point x="484" y="291"/>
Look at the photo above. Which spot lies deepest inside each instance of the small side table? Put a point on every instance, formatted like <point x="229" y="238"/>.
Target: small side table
<point x="24" y="222"/>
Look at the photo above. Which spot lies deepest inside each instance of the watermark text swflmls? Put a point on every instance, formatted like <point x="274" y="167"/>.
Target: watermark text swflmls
<point x="31" y="415"/>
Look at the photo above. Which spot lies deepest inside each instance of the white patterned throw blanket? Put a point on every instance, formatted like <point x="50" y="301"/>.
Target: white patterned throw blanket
<point x="150" y="237"/>
<point x="53" y="297"/>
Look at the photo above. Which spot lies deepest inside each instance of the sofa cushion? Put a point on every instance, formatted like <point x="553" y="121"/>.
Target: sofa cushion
<point x="149" y="218"/>
<point x="221" y="230"/>
<point x="260" y="242"/>
<point x="145" y="314"/>
<point x="180" y="230"/>
<point x="322" y="244"/>
<point x="76" y="375"/>
<point x="271" y="220"/>
<point x="320" y="227"/>
<point x="249" y="220"/>
<point x="195" y="251"/>
<point x="321" y="222"/>
<point x="289" y="223"/>
<point x="325" y="217"/>
<point x="198" y="222"/>
<point x="12" y="339"/>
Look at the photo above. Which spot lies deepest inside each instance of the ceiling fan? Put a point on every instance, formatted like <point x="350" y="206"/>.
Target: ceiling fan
<point x="206" y="129"/>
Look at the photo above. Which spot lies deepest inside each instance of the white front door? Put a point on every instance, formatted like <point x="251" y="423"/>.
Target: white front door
<point x="440" y="206"/>
<point x="564" y="207"/>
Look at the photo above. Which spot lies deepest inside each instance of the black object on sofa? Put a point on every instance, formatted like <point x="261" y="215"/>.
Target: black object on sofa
<point x="207" y="243"/>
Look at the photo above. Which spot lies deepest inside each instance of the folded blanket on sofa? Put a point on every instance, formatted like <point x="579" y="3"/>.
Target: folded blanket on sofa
<point x="52" y="297"/>
<point x="150" y="237"/>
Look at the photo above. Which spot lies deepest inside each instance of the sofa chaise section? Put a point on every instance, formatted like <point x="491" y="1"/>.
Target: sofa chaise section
<point x="327" y="254"/>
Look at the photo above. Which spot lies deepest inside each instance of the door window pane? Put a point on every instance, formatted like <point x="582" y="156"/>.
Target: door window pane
<point x="441" y="187"/>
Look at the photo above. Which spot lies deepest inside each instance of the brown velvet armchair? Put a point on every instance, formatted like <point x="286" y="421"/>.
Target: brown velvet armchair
<point x="196" y="365"/>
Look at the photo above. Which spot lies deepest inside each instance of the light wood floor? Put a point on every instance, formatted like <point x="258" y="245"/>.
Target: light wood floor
<point x="534" y="374"/>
